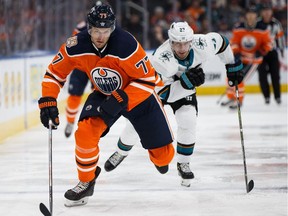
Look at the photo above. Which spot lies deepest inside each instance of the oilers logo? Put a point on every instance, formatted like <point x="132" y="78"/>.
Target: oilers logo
<point x="106" y="79"/>
<point x="248" y="42"/>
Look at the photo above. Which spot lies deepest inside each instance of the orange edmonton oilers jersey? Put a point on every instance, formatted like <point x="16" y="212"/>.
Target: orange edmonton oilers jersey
<point x="121" y="64"/>
<point x="247" y="42"/>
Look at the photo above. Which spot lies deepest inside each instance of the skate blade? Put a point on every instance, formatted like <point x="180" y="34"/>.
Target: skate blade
<point x="186" y="182"/>
<point x="71" y="203"/>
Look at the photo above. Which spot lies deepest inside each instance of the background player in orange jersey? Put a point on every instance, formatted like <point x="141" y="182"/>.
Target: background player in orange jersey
<point x="270" y="64"/>
<point x="124" y="82"/>
<point x="250" y="41"/>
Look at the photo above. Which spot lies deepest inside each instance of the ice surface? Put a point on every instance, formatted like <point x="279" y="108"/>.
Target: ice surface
<point x="135" y="188"/>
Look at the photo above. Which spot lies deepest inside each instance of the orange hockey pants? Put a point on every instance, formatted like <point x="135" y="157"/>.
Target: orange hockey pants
<point x="87" y="138"/>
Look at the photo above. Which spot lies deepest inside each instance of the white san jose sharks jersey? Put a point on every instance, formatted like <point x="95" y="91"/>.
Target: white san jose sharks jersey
<point x="203" y="47"/>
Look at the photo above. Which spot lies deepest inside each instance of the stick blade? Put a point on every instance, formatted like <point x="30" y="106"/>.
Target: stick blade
<point x="250" y="186"/>
<point x="44" y="210"/>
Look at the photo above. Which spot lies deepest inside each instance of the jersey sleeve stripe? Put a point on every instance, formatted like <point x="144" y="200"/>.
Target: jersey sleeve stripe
<point x="152" y="78"/>
<point x="225" y="44"/>
<point x="141" y="87"/>
<point x="50" y="76"/>
<point x="55" y="76"/>
<point x="48" y="80"/>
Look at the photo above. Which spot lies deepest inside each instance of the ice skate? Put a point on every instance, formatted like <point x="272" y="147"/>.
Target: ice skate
<point x="234" y="105"/>
<point x="162" y="169"/>
<point x="278" y="100"/>
<point x="226" y="103"/>
<point x="69" y="129"/>
<point x="115" y="159"/>
<point x="80" y="193"/>
<point x="185" y="173"/>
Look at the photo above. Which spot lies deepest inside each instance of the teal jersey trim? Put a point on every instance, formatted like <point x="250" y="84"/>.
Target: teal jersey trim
<point x="188" y="61"/>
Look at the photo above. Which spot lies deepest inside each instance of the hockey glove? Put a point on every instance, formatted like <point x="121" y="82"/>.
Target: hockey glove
<point x="234" y="73"/>
<point x="49" y="110"/>
<point x="194" y="77"/>
<point x="113" y="105"/>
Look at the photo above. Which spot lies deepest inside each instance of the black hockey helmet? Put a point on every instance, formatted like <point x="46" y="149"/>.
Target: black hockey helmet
<point x="101" y="16"/>
<point x="251" y="9"/>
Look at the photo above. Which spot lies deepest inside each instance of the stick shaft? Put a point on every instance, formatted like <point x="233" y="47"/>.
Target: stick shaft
<point x="50" y="168"/>
<point x="241" y="136"/>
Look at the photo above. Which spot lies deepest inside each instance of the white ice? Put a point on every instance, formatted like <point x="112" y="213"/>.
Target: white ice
<point x="136" y="188"/>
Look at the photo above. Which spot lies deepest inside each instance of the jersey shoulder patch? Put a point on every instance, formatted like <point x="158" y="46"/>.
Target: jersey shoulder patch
<point x="72" y="41"/>
<point x="80" y="44"/>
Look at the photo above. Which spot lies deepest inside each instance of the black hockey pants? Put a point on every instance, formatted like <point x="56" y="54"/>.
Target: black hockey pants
<point x="270" y="65"/>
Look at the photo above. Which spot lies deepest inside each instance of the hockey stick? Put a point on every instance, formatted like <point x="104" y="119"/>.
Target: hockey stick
<point x="251" y="71"/>
<point x="221" y="96"/>
<point x="250" y="185"/>
<point x="42" y="207"/>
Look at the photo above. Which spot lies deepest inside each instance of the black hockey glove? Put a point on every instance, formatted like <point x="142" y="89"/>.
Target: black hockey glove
<point x="234" y="73"/>
<point x="194" y="77"/>
<point x="49" y="110"/>
<point x="113" y="105"/>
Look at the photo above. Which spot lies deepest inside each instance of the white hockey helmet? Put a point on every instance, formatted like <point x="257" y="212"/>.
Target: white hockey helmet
<point x="180" y="32"/>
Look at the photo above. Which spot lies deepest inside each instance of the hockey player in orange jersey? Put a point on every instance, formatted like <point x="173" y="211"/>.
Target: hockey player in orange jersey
<point x="124" y="83"/>
<point x="250" y="41"/>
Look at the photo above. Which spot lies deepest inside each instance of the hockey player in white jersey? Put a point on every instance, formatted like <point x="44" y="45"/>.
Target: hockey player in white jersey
<point x="179" y="62"/>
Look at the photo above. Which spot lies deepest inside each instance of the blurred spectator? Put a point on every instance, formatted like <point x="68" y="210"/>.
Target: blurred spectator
<point x="234" y="13"/>
<point x="25" y="40"/>
<point x="175" y="13"/>
<point x="194" y="15"/>
<point x="4" y="39"/>
<point x="158" y="35"/>
<point x="158" y="18"/>
<point x="216" y="15"/>
<point x="134" y="26"/>
<point x="43" y="25"/>
<point x="196" y="10"/>
<point x="223" y="29"/>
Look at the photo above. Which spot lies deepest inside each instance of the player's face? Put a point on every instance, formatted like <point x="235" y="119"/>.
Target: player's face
<point x="181" y="49"/>
<point x="100" y="36"/>
<point x="251" y="18"/>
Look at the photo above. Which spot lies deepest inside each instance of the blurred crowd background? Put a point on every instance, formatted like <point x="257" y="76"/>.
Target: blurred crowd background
<point x="42" y="25"/>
